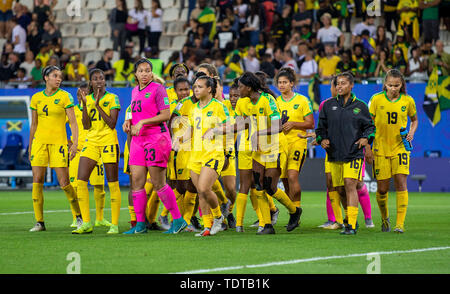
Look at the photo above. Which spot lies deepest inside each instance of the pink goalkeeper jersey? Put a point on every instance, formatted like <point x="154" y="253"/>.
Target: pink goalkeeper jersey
<point x="148" y="103"/>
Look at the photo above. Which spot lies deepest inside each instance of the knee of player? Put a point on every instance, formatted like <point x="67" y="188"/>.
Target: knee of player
<point x="382" y="190"/>
<point x="269" y="185"/>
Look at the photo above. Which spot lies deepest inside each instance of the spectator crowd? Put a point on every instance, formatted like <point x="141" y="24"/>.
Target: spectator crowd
<point x="315" y="38"/>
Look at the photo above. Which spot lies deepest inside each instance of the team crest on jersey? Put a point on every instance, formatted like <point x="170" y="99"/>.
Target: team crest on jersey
<point x="209" y="113"/>
<point x="57" y="101"/>
<point x="296" y="106"/>
<point x="166" y="100"/>
<point x="147" y="95"/>
<point x="84" y="148"/>
<point x="180" y="171"/>
<point x="106" y="103"/>
<point x="377" y="171"/>
<point x="31" y="157"/>
<point x="356" y="110"/>
<point x="403" y="108"/>
<point x="72" y="179"/>
<point x="261" y="110"/>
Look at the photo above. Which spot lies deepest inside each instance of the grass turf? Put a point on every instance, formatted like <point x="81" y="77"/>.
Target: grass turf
<point x="23" y="252"/>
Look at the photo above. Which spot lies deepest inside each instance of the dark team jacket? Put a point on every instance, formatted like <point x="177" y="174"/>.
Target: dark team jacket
<point x="343" y="125"/>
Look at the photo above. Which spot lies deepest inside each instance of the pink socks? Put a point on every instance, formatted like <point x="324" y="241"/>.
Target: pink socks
<point x="139" y="203"/>
<point x="364" y="201"/>
<point x="169" y="200"/>
<point x="330" y="212"/>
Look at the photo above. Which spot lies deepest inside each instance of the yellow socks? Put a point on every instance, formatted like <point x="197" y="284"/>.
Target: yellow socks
<point x="116" y="201"/>
<point x="352" y="216"/>
<point x="216" y="213"/>
<point x="189" y="205"/>
<point x="241" y="204"/>
<point x="272" y="206"/>
<point x="336" y="206"/>
<point x="180" y="200"/>
<point x="72" y="197"/>
<point x="297" y="203"/>
<point x="207" y="220"/>
<point x="254" y="201"/>
<point x="217" y="189"/>
<point x="132" y="213"/>
<point x="402" y="205"/>
<point x="37" y="195"/>
<point x="164" y="212"/>
<point x="148" y="187"/>
<point x="152" y="207"/>
<point x="263" y="205"/>
<point x="383" y="205"/>
<point x="99" y="196"/>
<point x="83" y="200"/>
<point x="283" y="198"/>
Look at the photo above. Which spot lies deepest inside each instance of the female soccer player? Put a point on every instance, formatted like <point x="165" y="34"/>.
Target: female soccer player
<point x="333" y="202"/>
<point x="266" y="136"/>
<point x="390" y="110"/>
<point x="345" y="126"/>
<point x="208" y="157"/>
<point x="177" y="70"/>
<point x="48" y="141"/>
<point x="229" y="174"/>
<point x="297" y="117"/>
<point x="244" y="156"/>
<point x="97" y="179"/>
<point x="100" y="113"/>
<point x="150" y="146"/>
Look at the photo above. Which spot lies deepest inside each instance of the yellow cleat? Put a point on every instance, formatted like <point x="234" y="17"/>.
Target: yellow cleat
<point x="113" y="229"/>
<point x="102" y="223"/>
<point x="86" y="228"/>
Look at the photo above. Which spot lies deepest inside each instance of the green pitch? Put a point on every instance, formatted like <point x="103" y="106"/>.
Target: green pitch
<point x="424" y="248"/>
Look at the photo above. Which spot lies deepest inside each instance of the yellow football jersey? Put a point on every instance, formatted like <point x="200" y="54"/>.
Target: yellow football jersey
<point x="241" y="110"/>
<point x="263" y="112"/>
<point x="180" y="125"/>
<point x="100" y="134"/>
<point x="389" y="117"/>
<point x="202" y="119"/>
<point x="81" y="131"/>
<point x="172" y="95"/>
<point x="51" y="111"/>
<point x="230" y="138"/>
<point x="296" y="109"/>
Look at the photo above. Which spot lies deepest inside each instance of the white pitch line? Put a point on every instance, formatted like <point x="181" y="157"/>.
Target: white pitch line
<point x="50" y="211"/>
<point x="219" y="269"/>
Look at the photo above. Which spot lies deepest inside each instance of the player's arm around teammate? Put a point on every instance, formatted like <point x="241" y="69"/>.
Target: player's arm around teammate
<point x="266" y="161"/>
<point x="207" y="158"/>
<point x="100" y="113"/>
<point x="48" y="141"/>
<point x="390" y="110"/>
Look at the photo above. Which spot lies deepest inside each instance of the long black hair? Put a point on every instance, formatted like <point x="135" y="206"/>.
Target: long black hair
<point x="139" y="62"/>
<point x="48" y="70"/>
<point x="249" y="79"/>
<point x="91" y="74"/>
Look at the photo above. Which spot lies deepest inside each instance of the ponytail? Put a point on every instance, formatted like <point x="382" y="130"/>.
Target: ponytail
<point x="255" y="83"/>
